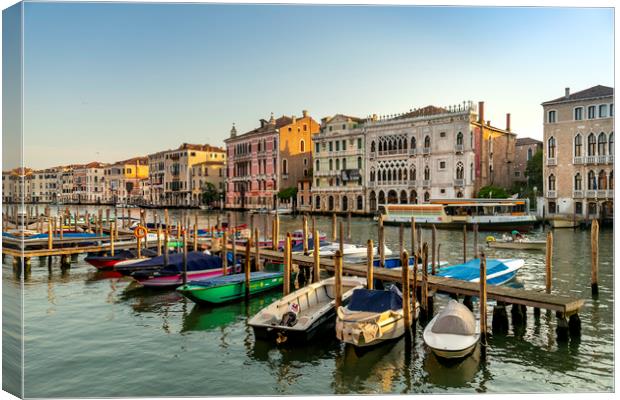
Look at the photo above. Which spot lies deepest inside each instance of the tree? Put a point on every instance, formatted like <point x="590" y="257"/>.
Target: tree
<point x="210" y="194"/>
<point x="287" y="193"/>
<point x="492" y="192"/>
<point x="534" y="171"/>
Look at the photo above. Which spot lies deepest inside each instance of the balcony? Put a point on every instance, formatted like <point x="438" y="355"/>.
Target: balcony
<point x="459" y="182"/>
<point x="552" y="194"/>
<point x="577" y="160"/>
<point x="372" y="184"/>
<point x="426" y="183"/>
<point x="601" y="159"/>
<point x="284" y="176"/>
<point x="458" y="148"/>
<point x="327" y="173"/>
<point x="591" y="194"/>
<point x="552" y="161"/>
<point x="426" y="151"/>
<point x="591" y="160"/>
<point x="413" y="152"/>
<point x="383" y="153"/>
<point x="413" y="182"/>
<point x="577" y="194"/>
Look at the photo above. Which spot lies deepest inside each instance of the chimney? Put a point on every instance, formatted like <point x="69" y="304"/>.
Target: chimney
<point x="481" y="112"/>
<point x="305" y="113"/>
<point x="566" y="92"/>
<point x="294" y="118"/>
<point x="489" y="123"/>
<point x="508" y="122"/>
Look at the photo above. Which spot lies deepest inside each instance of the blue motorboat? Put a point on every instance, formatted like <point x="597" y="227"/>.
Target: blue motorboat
<point x="499" y="270"/>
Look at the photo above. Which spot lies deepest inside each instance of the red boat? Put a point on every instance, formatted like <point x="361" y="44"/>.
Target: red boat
<point x="107" y="262"/>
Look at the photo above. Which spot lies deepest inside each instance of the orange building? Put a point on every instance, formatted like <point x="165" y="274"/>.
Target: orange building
<point x="296" y="149"/>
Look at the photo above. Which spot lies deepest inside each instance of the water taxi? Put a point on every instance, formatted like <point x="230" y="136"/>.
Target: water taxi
<point x="489" y="214"/>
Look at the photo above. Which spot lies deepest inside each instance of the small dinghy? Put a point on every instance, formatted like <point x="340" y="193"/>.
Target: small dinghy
<point x="516" y="243"/>
<point x="499" y="270"/>
<point x="305" y="313"/>
<point x="453" y="333"/>
<point x="372" y="317"/>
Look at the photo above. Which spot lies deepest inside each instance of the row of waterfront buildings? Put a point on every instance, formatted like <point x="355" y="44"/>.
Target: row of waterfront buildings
<point x="351" y="164"/>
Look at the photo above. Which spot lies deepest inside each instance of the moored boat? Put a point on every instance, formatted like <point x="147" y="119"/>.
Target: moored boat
<point x="107" y="261"/>
<point x="228" y="288"/>
<point x="499" y="270"/>
<point x="372" y="317"/>
<point x="453" y="332"/>
<point x="305" y="313"/>
<point x="516" y="244"/>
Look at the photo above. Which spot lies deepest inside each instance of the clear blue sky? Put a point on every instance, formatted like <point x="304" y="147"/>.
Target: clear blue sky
<point x="110" y="81"/>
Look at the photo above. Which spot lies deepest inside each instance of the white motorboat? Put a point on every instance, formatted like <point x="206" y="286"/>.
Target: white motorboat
<point x="453" y="332"/>
<point x="349" y="251"/>
<point x="516" y="244"/>
<point x="303" y="314"/>
<point x="372" y="317"/>
<point x="281" y="211"/>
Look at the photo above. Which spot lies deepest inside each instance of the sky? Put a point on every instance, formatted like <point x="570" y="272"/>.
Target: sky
<point x="109" y="81"/>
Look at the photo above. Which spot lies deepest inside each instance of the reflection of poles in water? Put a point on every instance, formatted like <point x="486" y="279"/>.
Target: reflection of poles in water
<point x="111" y="295"/>
<point x="409" y="334"/>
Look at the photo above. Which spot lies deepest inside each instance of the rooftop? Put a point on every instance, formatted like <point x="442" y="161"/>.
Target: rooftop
<point x="526" y="141"/>
<point x="594" y="92"/>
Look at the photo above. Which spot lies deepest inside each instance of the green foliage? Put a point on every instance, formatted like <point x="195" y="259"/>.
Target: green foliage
<point x="493" y="192"/>
<point x="534" y="171"/>
<point x="209" y="193"/>
<point x="287" y="193"/>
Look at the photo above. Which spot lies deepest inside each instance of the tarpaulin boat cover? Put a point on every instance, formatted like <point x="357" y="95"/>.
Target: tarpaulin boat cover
<point x="300" y="246"/>
<point x="123" y="255"/>
<point x="235" y="278"/>
<point x="455" y="319"/>
<point x="196" y="261"/>
<point x="376" y="300"/>
<point x="471" y="269"/>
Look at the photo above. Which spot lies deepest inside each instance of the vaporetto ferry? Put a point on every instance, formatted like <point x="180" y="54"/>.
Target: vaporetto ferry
<point x="488" y="214"/>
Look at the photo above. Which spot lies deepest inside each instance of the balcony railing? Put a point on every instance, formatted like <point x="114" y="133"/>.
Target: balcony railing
<point x="426" y="150"/>
<point x="552" y="161"/>
<point x="601" y="159"/>
<point x="459" y="182"/>
<point x="591" y="194"/>
<point x="578" y="194"/>
<point x="426" y="183"/>
<point x="372" y="184"/>
<point x="392" y="152"/>
<point x="413" y="152"/>
<point x="552" y="194"/>
<point x="458" y="148"/>
<point x="578" y="160"/>
<point x="590" y="159"/>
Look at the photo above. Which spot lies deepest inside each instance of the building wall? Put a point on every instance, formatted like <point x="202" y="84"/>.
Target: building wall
<point x="207" y="172"/>
<point x="295" y="150"/>
<point x="567" y="199"/>
<point x="523" y="153"/>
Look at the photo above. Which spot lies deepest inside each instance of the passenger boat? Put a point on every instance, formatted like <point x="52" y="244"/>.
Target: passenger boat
<point x="499" y="271"/>
<point x="228" y="288"/>
<point x="516" y="243"/>
<point x="453" y="332"/>
<point x="372" y="317"/>
<point x="559" y="221"/>
<point x="305" y="313"/>
<point x="488" y="214"/>
<point x="282" y="211"/>
<point x="107" y="262"/>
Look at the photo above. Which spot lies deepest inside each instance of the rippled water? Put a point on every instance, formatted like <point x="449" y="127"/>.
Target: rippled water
<point x="87" y="334"/>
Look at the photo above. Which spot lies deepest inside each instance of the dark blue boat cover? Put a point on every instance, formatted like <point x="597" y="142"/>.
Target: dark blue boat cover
<point x="235" y="278"/>
<point x="196" y="261"/>
<point x="393" y="262"/>
<point x="376" y="300"/>
<point x="471" y="269"/>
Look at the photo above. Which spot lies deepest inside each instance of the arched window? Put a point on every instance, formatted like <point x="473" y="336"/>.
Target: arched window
<point x="331" y="164"/>
<point x="412" y="174"/>
<point x="591" y="144"/>
<point x="372" y="175"/>
<point x="400" y="144"/>
<point x="337" y="164"/>
<point x="372" y="147"/>
<point x="602" y="180"/>
<point x="551" y="182"/>
<point x="413" y="197"/>
<point x="330" y="203"/>
<point x="400" y="175"/>
<point x="384" y="176"/>
<point x="317" y="165"/>
<point x="284" y="166"/>
<point x="551" y="147"/>
<point x="345" y="203"/>
<point x="302" y="146"/>
<point x="359" y="162"/>
<point x="602" y="144"/>
<point x="427" y="141"/>
<point x="405" y="143"/>
<point x="360" y="203"/>
<point x="427" y="197"/>
<point x="380" y="146"/>
<point x="471" y="172"/>
<point x="317" y="203"/>
<point x="578" y="181"/>
<point x="611" y="144"/>
<point x="529" y="154"/>
<point x="344" y="163"/>
<point x="412" y="143"/>
<point x="459" y="195"/>
<point x="427" y="173"/>
<point x="459" y="139"/>
<point x="591" y="180"/>
<point x="578" y="145"/>
<point x="611" y="180"/>
<point x="460" y="170"/>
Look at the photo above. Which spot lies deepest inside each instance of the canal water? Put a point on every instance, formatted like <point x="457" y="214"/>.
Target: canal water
<point x="88" y="334"/>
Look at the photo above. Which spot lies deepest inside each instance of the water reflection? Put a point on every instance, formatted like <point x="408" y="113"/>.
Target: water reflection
<point x="452" y="373"/>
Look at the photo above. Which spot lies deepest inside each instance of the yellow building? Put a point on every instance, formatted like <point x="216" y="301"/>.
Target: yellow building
<point x="123" y="180"/>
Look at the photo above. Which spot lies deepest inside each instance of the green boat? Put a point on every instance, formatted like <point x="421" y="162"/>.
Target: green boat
<point x="227" y="288"/>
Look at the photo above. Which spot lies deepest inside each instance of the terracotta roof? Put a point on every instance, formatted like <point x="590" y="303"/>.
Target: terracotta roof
<point x="267" y="127"/>
<point x="428" y="110"/>
<point x="591" y="93"/>
<point x="525" y="141"/>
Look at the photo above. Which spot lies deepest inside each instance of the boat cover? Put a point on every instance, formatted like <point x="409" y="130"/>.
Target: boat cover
<point x="196" y="261"/>
<point x="471" y="269"/>
<point x="455" y="319"/>
<point x="235" y="279"/>
<point x="376" y="300"/>
<point x="122" y="255"/>
<point x="66" y="235"/>
<point x="300" y="245"/>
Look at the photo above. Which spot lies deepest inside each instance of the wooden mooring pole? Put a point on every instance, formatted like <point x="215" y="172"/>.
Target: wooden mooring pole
<point x="404" y="259"/>
<point x="381" y="244"/>
<point x="338" y="277"/>
<point x="286" y="289"/>
<point x="414" y="251"/>
<point x="434" y="252"/>
<point x="158" y="240"/>
<point x="548" y="262"/>
<point x="316" y="269"/>
<point x="370" y="265"/>
<point x="475" y="228"/>
<point x="594" y="243"/>
<point x="257" y="249"/>
<point x="185" y="258"/>
<point x="305" y="235"/>
<point x="334" y="223"/>
<point x="248" y="250"/>
<point x="424" y="289"/>
<point x="483" y="300"/>
<point x="112" y="239"/>
<point x="225" y="254"/>
<point x="349" y="225"/>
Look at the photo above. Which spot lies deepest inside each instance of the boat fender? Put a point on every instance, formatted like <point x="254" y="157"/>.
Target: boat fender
<point x="490" y="239"/>
<point x="140" y="232"/>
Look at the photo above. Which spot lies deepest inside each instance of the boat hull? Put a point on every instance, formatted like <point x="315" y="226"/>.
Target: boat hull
<point x="537" y="245"/>
<point x="326" y="323"/>
<point x="521" y="226"/>
<point x="229" y="292"/>
<point x="177" y="279"/>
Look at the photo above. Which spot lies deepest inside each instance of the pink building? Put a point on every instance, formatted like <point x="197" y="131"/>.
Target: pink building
<point x="252" y="161"/>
